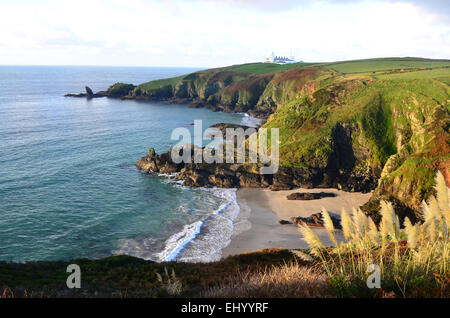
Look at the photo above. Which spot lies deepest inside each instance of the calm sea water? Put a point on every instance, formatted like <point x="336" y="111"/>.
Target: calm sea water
<point x="68" y="185"/>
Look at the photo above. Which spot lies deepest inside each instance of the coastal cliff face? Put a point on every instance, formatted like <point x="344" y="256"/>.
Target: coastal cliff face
<point x="230" y="89"/>
<point x="386" y="131"/>
<point x="379" y="125"/>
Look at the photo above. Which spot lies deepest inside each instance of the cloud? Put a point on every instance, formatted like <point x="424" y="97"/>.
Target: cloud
<point x="436" y="6"/>
<point x="262" y="5"/>
<point x="442" y="6"/>
<point x="209" y="33"/>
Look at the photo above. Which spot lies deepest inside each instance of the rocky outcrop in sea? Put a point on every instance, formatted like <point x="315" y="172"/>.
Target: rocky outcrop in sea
<point x="226" y="175"/>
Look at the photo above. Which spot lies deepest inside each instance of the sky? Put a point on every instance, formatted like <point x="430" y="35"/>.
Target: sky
<point x="212" y="33"/>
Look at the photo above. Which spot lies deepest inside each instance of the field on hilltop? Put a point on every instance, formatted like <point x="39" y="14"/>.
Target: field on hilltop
<point x="385" y="64"/>
<point x="263" y="68"/>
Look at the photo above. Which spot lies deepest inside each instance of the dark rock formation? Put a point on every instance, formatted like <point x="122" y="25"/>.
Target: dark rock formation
<point x="309" y="196"/>
<point x="223" y="127"/>
<point x="75" y="95"/>
<point x="118" y="90"/>
<point x="89" y="92"/>
<point x="226" y="175"/>
<point x="317" y="220"/>
<point x="372" y="208"/>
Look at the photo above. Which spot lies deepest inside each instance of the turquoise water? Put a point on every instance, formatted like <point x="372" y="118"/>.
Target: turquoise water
<point x="68" y="184"/>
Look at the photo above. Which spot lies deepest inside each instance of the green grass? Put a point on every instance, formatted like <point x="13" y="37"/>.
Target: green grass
<point x="263" y="68"/>
<point x="385" y="64"/>
<point x="162" y="83"/>
<point x="120" y="89"/>
<point x="438" y="73"/>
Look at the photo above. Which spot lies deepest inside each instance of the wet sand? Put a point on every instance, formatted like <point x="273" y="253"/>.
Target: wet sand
<point x="257" y="226"/>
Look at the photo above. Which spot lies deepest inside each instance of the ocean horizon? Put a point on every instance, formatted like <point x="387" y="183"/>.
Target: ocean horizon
<point x="69" y="187"/>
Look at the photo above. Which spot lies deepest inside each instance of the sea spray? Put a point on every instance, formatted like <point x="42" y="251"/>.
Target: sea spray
<point x="250" y="121"/>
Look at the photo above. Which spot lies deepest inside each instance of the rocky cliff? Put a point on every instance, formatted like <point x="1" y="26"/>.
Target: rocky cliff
<point x="225" y="175"/>
<point x="379" y="125"/>
<point x="231" y="89"/>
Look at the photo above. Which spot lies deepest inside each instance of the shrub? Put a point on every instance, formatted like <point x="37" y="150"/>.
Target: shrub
<point x="170" y="283"/>
<point x="289" y="280"/>
<point x="120" y="89"/>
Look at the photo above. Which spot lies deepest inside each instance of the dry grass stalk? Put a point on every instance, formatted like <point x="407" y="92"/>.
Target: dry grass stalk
<point x="288" y="280"/>
<point x="420" y="250"/>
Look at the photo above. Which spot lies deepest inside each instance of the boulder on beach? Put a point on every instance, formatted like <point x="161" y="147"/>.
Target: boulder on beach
<point x="317" y="220"/>
<point x="309" y="196"/>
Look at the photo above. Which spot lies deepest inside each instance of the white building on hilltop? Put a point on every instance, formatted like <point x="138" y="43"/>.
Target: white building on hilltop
<point x="281" y="59"/>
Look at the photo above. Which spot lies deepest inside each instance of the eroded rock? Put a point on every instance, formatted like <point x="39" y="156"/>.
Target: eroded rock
<point x="317" y="220"/>
<point x="309" y="196"/>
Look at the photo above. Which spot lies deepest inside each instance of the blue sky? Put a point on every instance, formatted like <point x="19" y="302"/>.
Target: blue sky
<point x="209" y="33"/>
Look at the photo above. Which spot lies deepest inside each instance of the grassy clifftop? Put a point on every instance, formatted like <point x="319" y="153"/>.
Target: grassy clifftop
<point x="385" y="118"/>
<point x="394" y="128"/>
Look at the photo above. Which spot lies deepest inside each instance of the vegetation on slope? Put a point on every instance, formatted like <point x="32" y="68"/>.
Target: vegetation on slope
<point x="385" y="64"/>
<point x="124" y="276"/>
<point x="263" y="68"/>
<point x="119" y="89"/>
<point x="397" y="121"/>
<point x="357" y="121"/>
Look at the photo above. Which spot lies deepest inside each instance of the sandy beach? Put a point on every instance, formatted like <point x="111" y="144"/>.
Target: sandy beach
<point x="257" y="226"/>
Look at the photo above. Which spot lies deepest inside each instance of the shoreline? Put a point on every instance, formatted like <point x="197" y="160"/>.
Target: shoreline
<point x="257" y="226"/>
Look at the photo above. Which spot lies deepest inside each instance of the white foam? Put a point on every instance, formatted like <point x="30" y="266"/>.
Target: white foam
<point x="216" y="231"/>
<point x="207" y="247"/>
<point x="250" y="121"/>
<point x="177" y="242"/>
<point x="167" y="175"/>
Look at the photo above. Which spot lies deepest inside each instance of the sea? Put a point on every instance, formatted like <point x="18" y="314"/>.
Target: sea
<point x="69" y="187"/>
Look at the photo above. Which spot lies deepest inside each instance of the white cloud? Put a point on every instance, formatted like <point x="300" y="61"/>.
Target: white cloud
<point x="210" y="33"/>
